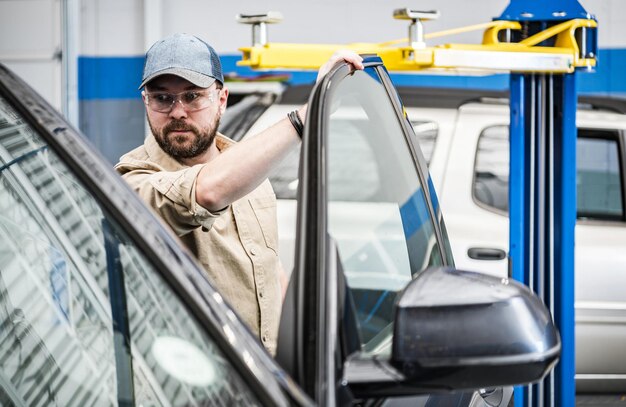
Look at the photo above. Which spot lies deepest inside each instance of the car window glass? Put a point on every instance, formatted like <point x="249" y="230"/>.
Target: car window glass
<point x="598" y="180"/>
<point x="426" y="133"/>
<point x="491" y="168"/>
<point x="284" y="176"/>
<point x="57" y="343"/>
<point x="377" y="210"/>
<point x="173" y="360"/>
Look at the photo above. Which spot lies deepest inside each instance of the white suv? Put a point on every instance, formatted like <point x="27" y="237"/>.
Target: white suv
<point x="464" y="138"/>
<point x="470" y="167"/>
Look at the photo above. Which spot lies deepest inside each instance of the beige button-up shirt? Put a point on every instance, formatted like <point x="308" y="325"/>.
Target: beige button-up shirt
<point x="238" y="246"/>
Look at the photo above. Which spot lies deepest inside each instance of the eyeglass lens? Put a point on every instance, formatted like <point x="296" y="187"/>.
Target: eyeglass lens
<point x="191" y="100"/>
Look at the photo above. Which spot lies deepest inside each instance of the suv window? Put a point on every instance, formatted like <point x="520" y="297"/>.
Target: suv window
<point x="61" y="258"/>
<point x="377" y="210"/>
<point x="284" y="177"/>
<point x="598" y="176"/>
<point x="426" y="133"/>
<point x="491" y="168"/>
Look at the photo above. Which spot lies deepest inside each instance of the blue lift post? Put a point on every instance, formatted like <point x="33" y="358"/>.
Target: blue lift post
<point x="542" y="200"/>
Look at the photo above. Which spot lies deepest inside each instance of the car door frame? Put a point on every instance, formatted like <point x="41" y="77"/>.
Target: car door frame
<point x="317" y="276"/>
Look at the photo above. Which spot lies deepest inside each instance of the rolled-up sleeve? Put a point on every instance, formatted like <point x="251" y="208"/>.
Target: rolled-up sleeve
<point x="173" y="195"/>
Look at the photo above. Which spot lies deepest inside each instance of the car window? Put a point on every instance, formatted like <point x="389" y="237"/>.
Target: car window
<point x="426" y="132"/>
<point x="598" y="177"/>
<point x="58" y="342"/>
<point x="377" y="210"/>
<point x="491" y="168"/>
<point x="284" y="177"/>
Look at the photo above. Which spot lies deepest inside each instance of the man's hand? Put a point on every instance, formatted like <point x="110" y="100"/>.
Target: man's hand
<point x="347" y="55"/>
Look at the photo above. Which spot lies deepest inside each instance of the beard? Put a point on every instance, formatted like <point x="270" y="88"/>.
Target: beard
<point x="180" y="146"/>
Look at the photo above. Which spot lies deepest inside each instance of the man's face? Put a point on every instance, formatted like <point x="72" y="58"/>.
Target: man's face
<point x="183" y="132"/>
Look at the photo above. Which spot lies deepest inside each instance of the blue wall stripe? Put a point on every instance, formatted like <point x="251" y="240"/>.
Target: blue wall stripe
<point x="109" y="77"/>
<point x="609" y="76"/>
<point x="118" y="77"/>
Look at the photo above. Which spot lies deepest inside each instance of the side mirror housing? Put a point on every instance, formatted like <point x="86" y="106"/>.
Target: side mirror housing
<point x="457" y="329"/>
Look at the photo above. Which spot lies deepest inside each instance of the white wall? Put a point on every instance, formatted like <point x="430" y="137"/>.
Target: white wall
<point x="30" y="44"/>
<point x="116" y="27"/>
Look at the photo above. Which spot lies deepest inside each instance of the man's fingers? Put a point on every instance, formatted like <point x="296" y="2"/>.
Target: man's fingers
<point x="351" y="57"/>
<point x="347" y="55"/>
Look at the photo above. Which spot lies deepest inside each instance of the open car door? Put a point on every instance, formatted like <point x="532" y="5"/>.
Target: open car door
<point x="375" y="309"/>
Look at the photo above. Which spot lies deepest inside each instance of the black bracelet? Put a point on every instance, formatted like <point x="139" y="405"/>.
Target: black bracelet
<point x="296" y="122"/>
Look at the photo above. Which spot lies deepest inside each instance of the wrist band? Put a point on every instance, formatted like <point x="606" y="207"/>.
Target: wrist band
<point x="296" y="122"/>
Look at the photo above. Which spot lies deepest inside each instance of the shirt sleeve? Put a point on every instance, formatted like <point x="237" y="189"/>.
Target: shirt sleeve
<point x="172" y="194"/>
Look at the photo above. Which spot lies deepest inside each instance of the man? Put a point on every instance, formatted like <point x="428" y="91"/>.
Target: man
<point x="211" y="191"/>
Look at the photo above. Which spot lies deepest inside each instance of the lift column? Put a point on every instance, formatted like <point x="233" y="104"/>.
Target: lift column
<point x="542" y="197"/>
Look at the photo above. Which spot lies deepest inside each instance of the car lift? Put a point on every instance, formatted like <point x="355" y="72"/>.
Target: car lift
<point x="541" y="44"/>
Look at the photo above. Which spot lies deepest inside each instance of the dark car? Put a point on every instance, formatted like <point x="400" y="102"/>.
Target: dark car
<point x="101" y="305"/>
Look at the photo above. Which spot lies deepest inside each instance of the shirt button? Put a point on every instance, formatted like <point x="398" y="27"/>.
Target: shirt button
<point x="261" y="294"/>
<point x="264" y="338"/>
<point x="253" y="250"/>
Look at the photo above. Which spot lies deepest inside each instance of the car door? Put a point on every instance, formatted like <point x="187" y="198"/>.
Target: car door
<point x="99" y="304"/>
<point x="368" y="223"/>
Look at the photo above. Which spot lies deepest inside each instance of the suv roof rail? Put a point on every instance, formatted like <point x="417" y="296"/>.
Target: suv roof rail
<point x="453" y="98"/>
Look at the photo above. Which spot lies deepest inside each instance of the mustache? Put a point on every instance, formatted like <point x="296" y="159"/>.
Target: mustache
<point x="178" y="125"/>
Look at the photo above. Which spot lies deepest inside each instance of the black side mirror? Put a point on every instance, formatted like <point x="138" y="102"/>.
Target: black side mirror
<point x="463" y="330"/>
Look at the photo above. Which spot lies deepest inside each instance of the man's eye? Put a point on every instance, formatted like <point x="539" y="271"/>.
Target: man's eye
<point x="191" y="96"/>
<point x="163" y="98"/>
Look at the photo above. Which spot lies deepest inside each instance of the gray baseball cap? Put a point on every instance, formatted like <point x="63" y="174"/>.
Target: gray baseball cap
<point x="183" y="55"/>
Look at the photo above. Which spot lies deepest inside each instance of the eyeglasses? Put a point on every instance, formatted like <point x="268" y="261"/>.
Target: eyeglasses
<point x="191" y="100"/>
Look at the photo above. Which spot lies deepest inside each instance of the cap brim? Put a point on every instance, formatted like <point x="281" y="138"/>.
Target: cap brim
<point x="198" y="79"/>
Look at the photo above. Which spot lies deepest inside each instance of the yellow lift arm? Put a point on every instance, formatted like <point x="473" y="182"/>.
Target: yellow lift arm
<point x="413" y="55"/>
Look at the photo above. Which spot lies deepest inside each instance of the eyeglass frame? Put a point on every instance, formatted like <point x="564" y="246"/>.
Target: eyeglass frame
<point x="177" y="98"/>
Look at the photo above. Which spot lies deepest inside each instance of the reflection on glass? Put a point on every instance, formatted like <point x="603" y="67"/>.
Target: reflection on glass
<point x="378" y="213"/>
<point x="56" y="329"/>
<point x="426" y="133"/>
<point x="174" y="360"/>
<point x="56" y="336"/>
<point x="491" y="171"/>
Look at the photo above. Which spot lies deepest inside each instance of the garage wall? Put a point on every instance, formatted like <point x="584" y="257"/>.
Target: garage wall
<point x="114" y="34"/>
<point x="30" y="44"/>
<point x="109" y="69"/>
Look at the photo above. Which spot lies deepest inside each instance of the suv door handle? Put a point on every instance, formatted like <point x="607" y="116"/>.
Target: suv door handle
<point x="485" y="253"/>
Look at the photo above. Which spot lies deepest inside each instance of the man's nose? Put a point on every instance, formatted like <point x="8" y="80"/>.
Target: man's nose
<point x="178" y="110"/>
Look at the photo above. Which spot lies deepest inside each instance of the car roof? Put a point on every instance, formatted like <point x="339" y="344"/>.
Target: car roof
<point x="453" y="98"/>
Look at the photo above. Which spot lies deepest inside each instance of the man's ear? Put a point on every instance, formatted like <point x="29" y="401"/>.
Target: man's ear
<point x="223" y="99"/>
